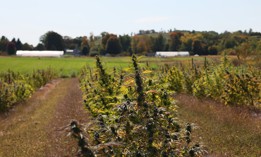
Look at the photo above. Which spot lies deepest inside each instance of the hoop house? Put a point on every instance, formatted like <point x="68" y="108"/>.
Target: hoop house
<point x="171" y="53"/>
<point x="40" y="53"/>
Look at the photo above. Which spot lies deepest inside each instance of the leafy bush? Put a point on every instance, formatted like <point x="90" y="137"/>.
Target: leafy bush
<point x="229" y="84"/>
<point x="135" y="114"/>
<point x="15" y="87"/>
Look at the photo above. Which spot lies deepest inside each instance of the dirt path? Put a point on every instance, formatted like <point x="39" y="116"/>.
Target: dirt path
<point x="226" y="131"/>
<point x="34" y="128"/>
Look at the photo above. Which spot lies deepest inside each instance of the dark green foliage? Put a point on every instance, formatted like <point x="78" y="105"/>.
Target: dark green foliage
<point x="18" y="45"/>
<point x="40" y="47"/>
<point x="125" y="42"/>
<point x="138" y="80"/>
<point x="3" y="43"/>
<point x="113" y="45"/>
<point x="11" y="49"/>
<point x="86" y="50"/>
<point x="159" y="43"/>
<point x="197" y="47"/>
<point x="26" y="46"/>
<point x="52" y="41"/>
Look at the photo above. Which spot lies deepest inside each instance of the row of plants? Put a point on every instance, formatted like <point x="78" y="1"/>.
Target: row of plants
<point x="134" y="114"/>
<point x="17" y="87"/>
<point x="134" y="110"/>
<point x="232" y="85"/>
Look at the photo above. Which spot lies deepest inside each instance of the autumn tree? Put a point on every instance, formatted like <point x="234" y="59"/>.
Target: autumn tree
<point x="134" y="42"/>
<point x="92" y="40"/>
<point x="175" y="41"/>
<point x="141" y="44"/>
<point x="105" y="38"/>
<point x="251" y="48"/>
<point x="85" y="48"/>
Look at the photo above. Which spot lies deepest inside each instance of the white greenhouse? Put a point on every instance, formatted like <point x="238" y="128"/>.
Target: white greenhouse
<point x="39" y="53"/>
<point x="171" y="53"/>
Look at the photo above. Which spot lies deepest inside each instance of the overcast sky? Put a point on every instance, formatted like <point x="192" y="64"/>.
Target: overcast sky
<point x="29" y="19"/>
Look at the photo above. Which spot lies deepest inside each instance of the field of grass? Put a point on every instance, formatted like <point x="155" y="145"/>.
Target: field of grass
<point x="72" y="65"/>
<point x="64" y="66"/>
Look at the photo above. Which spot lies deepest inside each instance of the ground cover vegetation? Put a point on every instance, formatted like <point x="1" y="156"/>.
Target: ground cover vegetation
<point x="16" y="87"/>
<point x="64" y="67"/>
<point x="68" y="66"/>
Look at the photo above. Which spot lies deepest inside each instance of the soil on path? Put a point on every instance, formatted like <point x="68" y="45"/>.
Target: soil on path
<point x="34" y="127"/>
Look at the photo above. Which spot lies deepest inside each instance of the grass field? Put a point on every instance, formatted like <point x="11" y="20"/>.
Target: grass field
<point x="72" y="65"/>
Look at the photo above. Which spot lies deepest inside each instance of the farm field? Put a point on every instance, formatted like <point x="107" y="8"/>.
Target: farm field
<point x="46" y="114"/>
<point x="131" y="79"/>
<point x="70" y="65"/>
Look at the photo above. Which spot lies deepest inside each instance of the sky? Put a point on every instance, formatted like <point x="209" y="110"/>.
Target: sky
<point x="30" y="19"/>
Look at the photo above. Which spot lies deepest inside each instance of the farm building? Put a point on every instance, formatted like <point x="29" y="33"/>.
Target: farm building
<point x="40" y="53"/>
<point x="171" y="53"/>
<point x="68" y="51"/>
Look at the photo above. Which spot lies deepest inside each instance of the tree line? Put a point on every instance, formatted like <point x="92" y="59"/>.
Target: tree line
<point x="146" y="42"/>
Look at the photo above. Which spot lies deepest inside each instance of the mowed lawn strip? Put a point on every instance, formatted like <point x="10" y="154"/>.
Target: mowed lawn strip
<point x="63" y="66"/>
<point x="225" y="130"/>
<point x="66" y="66"/>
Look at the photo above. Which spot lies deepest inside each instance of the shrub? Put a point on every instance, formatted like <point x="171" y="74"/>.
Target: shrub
<point x="135" y="114"/>
<point x="15" y="87"/>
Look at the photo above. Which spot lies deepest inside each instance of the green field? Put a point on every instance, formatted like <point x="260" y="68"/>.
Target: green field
<point x="72" y="65"/>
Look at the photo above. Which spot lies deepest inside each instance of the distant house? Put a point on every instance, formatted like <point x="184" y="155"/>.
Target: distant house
<point x="39" y="53"/>
<point x="171" y="53"/>
<point x="74" y="52"/>
<point x="68" y="51"/>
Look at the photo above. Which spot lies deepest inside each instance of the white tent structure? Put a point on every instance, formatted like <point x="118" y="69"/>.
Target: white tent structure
<point x="39" y="53"/>
<point x="171" y="53"/>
